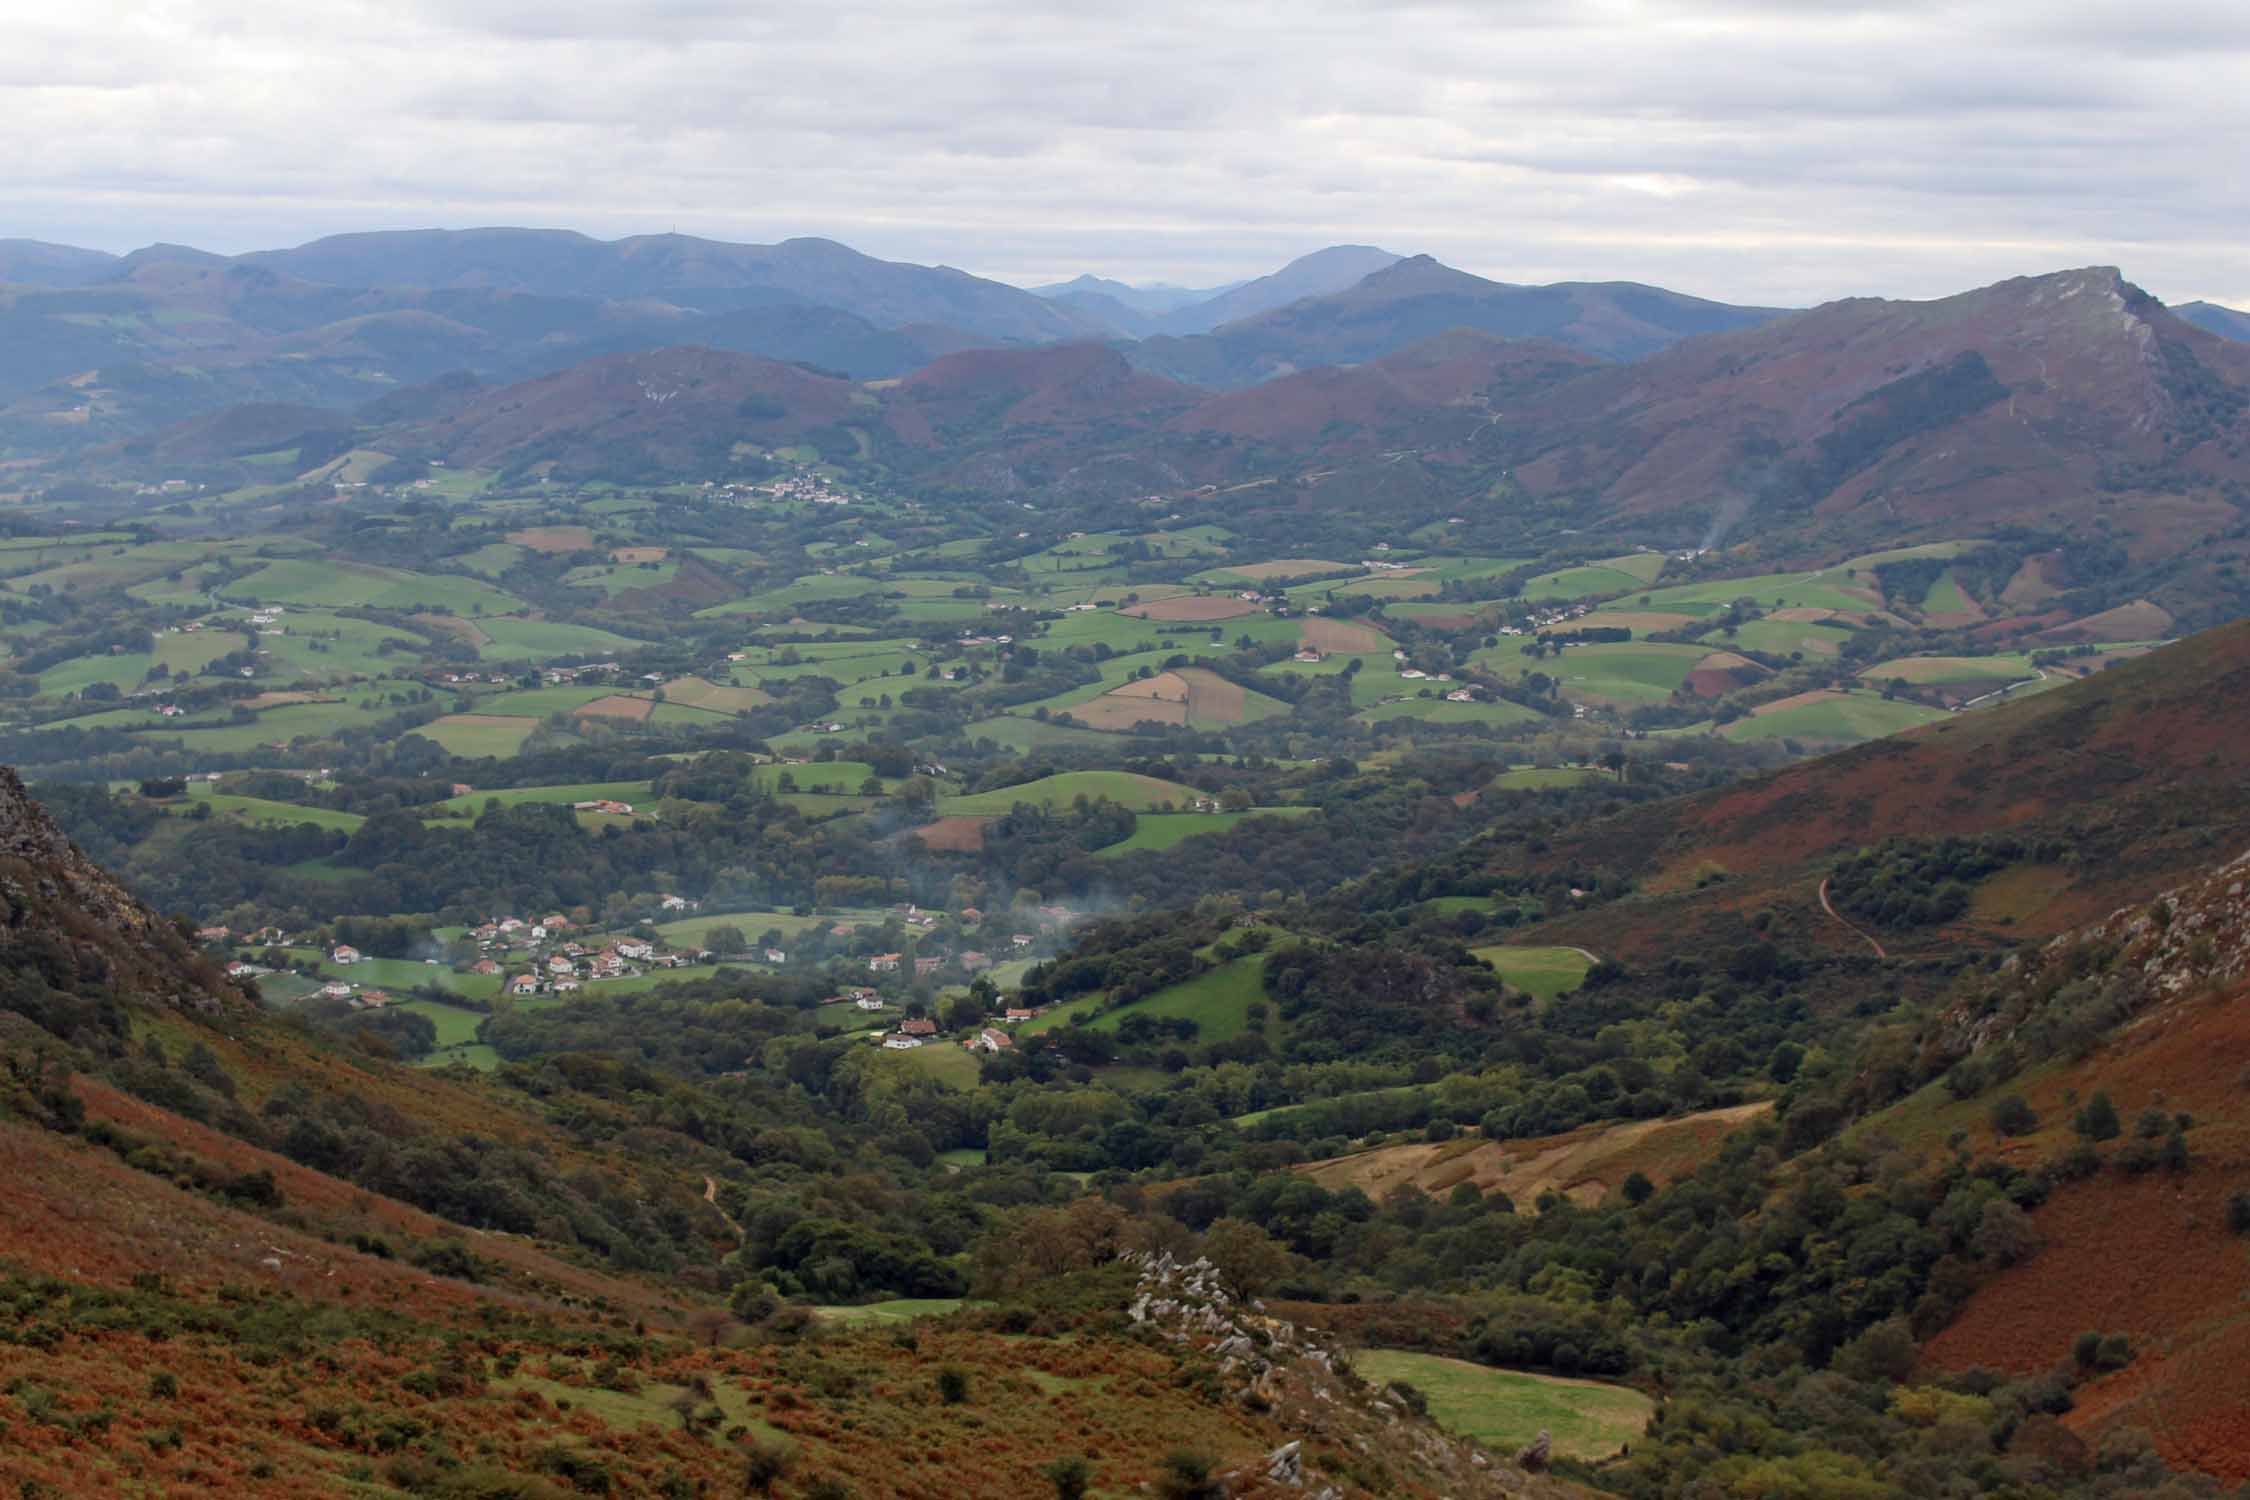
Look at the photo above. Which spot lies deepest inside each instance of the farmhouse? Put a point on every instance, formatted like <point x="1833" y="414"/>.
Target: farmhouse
<point x="524" y="984"/>
<point x="990" y="1040"/>
<point x="918" y="1026"/>
<point x="335" y="989"/>
<point x="869" y="1003"/>
<point x="883" y="963"/>
<point x="901" y="1043"/>
<point x="1019" y="1013"/>
<point x="924" y="967"/>
<point x="345" y="953"/>
<point x="484" y="966"/>
<point x="777" y="956"/>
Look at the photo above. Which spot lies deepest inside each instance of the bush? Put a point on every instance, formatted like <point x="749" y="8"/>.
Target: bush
<point x="1070" y="1476"/>
<point x="765" y="1466"/>
<point x="2013" y="1115"/>
<point x="1186" y="1476"/>
<point x="2097" y="1119"/>
<point x="2238" y="1212"/>
<point x="952" y="1386"/>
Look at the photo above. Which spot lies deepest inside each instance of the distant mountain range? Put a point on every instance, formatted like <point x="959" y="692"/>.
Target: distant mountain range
<point x="94" y="347"/>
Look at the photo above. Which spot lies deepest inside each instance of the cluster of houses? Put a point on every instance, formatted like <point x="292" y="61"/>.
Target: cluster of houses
<point x="1548" y="619"/>
<point x="917" y="1031"/>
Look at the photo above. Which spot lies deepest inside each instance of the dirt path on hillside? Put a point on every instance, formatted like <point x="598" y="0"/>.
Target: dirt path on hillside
<point x="711" y="1196"/>
<point x="1838" y="919"/>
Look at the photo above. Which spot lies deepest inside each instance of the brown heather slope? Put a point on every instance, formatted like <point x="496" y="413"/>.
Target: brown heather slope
<point x="2138" y="770"/>
<point x="2148" y="1253"/>
<point x="676" y="410"/>
<point x="2046" y="400"/>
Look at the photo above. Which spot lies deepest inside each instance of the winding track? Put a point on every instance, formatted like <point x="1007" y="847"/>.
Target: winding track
<point x="1838" y="919"/>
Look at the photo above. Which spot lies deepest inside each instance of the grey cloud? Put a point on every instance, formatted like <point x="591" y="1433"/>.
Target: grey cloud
<point x="1771" y="150"/>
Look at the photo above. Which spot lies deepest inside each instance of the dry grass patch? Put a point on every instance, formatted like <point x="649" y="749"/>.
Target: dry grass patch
<point x="455" y="626"/>
<point x="554" y="538"/>
<point x="639" y="554"/>
<point x="1192" y="608"/>
<point x="953" y="835"/>
<point x="1343" y="635"/>
<point x="617" y="706"/>
<point x="1287" y="567"/>
<point x="1582" y="1165"/>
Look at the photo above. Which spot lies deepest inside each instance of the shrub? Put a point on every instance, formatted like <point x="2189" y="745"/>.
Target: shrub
<point x="952" y="1386"/>
<point x="765" y="1465"/>
<point x="1186" y="1476"/>
<point x="2238" y="1212"/>
<point x="2004" y="1234"/>
<point x="1071" y="1476"/>
<point x="2097" y="1119"/>
<point x="2013" y="1115"/>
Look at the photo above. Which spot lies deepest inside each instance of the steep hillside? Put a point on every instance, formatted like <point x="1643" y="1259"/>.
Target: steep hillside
<point x="658" y="414"/>
<point x="2070" y="401"/>
<point x="71" y="936"/>
<point x="1438" y="390"/>
<point x="2109" y="789"/>
<point x="2145" y="1009"/>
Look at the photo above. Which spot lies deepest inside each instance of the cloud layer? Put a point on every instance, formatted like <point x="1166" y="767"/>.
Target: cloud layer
<point x="1756" y="150"/>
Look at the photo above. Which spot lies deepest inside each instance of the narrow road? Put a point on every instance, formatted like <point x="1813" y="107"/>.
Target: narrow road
<point x="1863" y="937"/>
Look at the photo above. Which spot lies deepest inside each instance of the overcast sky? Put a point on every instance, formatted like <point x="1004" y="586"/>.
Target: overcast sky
<point x="1780" y="151"/>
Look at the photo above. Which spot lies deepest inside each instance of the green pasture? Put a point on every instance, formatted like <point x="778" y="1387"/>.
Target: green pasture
<point x="1507" y="1409"/>
<point x="1163" y="830"/>
<point x="1542" y="973"/>
<point x="1139" y="793"/>
<point x="1846" y="719"/>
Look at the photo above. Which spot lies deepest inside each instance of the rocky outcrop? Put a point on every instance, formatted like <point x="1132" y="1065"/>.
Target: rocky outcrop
<point x="1306" y="1382"/>
<point x="2194" y="937"/>
<point x="71" y="923"/>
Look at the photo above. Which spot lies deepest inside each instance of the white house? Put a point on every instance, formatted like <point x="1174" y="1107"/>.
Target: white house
<point x="776" y="956"/>
<point x="345" y="953"/>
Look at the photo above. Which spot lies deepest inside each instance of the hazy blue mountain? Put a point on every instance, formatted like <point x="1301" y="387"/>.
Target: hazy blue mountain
<point x="1314" y="275"/>
<point x="1416" y="298"/>
<point x="38" y="263"/>
<point x="705" y="275"/>
<point x="2212" y="318"/>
